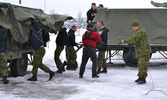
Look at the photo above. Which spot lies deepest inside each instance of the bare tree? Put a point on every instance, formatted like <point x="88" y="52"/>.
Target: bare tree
<point x="80" y="19"/>
<point x="79" y="15"/>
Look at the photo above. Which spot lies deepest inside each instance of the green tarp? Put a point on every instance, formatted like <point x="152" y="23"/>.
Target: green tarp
<point x="18" y="19"/>
<point x="118" y="21"/>
<point x="156" y="4"/>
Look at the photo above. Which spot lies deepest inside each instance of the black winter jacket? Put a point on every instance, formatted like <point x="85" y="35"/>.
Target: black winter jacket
<point x="104" y="35"/>
<point x="62" y="37"/>
<point x="89" y="14"/>
<point x="71" y="38"/>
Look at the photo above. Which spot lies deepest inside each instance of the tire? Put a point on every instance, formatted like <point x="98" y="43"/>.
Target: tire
<point x="129" y="57"/>
<point x="19" y="66"/>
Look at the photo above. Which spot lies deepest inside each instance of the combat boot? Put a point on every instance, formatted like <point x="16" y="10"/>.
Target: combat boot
<point x="80" y="76"/>
<point x="5" y="81"/>
<point x="62" y="69"/>
<point x="64" y="64"/>
<point x="104" y="70"/>
<point x="74" y="67"/>
<point x="138" y="79"/>
<point x="59" y="71"/>
<point x="69" y="67"/>
<point x="142" y="81"/>
<point x="33" y="78"/>
<point x="51" y="74"/>
<point x="99" y="70"/>
<point x="95" y="76"/>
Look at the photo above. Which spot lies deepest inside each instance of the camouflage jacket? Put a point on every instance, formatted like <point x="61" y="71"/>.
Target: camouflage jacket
<point x="140" y="42"/>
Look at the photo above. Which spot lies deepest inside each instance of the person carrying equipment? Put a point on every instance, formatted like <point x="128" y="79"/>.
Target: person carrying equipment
<point x="37" y="43"/>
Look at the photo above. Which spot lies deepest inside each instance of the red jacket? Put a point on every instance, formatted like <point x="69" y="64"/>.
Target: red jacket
<point x="95" y="36"/>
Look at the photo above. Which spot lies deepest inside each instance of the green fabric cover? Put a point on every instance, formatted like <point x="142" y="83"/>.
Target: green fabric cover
<point x="118" y="21"/>
<point x="17" y="20"/>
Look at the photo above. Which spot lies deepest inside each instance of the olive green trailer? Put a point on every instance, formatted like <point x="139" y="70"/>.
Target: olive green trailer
<point x="118" y="21"/>
<point x="17" y="20"/>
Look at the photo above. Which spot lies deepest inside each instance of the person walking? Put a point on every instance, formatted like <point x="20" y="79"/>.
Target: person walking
<point x="37" y="43"/>
<point x="70" y="51"/>
<point x="60" y="43"/>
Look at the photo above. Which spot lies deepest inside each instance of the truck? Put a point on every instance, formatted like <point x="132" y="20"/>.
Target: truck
<point x="118" y="21"/>
<point x="17" y="19"/>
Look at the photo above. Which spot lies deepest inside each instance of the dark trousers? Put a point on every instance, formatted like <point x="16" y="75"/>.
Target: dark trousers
<point x="71" y="56"/>
<point x="88" y="52"/>
<point x="57" y="53"/>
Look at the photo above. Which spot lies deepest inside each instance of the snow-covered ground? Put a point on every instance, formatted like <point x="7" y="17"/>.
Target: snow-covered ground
<point x="117" y="84"/>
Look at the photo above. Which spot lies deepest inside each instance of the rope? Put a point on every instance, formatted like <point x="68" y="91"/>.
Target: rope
<point x="30" y="61"/>
<point x="153" y="86"/>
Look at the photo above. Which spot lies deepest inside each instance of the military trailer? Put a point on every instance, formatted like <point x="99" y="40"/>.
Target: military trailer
<point x="17" y="20"/>
<point x="118" y="21"/>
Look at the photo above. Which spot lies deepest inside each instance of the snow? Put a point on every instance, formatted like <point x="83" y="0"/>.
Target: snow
<point x="117" y="84"/>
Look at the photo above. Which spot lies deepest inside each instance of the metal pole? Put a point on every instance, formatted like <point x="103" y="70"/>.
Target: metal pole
<point x="19" y="1"/>
<point x="45" y="5"/>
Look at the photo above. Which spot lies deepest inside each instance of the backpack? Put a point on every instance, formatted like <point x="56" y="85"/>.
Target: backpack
<point x="36" y="39"/>
<point x="45" y="37"/>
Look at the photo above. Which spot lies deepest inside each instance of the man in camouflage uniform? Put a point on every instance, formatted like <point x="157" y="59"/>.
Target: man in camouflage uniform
<point x="37" y="43"/>
<point x="103" y="32"/>
<point x="142" y="50"/>
<point x="71" y="55"/>
<point x="3" y="59"/>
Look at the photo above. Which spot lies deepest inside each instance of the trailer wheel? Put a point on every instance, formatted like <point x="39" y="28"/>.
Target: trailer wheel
<point x="19" y="66"/>
<point x="129" y="57"/>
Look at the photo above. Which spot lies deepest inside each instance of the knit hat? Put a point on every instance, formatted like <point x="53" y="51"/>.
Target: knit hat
<point x="135" y="23"/>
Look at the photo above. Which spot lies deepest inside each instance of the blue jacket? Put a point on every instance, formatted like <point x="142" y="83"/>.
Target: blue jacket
<point x="104" y="35"/>
<point x="2" y="39"/>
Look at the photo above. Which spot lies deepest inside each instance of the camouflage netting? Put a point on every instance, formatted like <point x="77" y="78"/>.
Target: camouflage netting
<point x="118" y="21"/>
<point x="18" y="19"/>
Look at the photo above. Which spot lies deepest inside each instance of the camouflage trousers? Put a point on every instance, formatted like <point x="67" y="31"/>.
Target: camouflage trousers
<point x="57" y="53"/>
<point x="3" y="65"/>
<point x="37" y="63"/>
<point x="143" y="63"/>
<point x="101" y="59"/>
<point x="71" y="56"/>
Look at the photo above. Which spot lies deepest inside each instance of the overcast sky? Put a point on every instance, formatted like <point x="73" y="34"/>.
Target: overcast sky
<point x="72" y="7"/>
